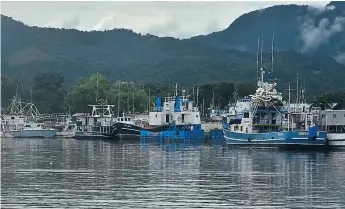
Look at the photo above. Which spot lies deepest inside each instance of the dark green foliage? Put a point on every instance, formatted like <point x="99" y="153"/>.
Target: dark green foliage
<point x="47" y="92"/>
<point x="124" y="55"/>
<point x="325" y="100"/>
<point x="154" y="63"/>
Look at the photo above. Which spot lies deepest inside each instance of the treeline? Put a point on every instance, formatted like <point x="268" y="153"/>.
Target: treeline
<point x="50" y="95"/>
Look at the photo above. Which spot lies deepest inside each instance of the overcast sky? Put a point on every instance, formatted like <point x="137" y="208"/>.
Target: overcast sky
<point x="176" y="19"/>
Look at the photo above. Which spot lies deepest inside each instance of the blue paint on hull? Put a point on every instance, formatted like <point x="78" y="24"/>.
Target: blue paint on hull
<point x="34" y="133"/>
<point x="173" y="133"/>
<point x="290" y="138"/>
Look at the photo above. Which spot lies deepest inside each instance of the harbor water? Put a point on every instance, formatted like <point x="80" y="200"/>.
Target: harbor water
<point x="67" y="173"/>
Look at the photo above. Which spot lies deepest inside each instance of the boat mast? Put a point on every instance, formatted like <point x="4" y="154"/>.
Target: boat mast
<point x="128" y="102"/>
<point x="262" y="43"/>
<point x="118" y="101"/>
<point x="213" y="100"/>
<point x="193" y="94"/>
<point x="272" y="53"/>
<point x="133" y="105"/>
<point x="197" y="97"/>
<point x="257" y="60"/>
<point x="289" y="105"/>
<point x="297" y="83"/>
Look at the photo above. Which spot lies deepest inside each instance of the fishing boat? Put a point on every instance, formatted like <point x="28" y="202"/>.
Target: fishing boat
<point x="266" y="122"/>
<point x="21" y="121"/>
<point x="125" y="128"/>
<point x="177" y="119"/>
<point x="98" y="124"/>
<point x="33" y="130"/>
<point x="264" y="119"/>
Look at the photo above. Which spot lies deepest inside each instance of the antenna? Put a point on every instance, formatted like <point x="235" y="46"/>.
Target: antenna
<point x="133" y="105"/>
<point x="289" y="104"/>
<point x="118" y="101"/>
<point x="193" y="94"/>
<point x="30" y="96"/>
<point x="197" y="97"/>
<point x="262" y="43"/>
<point x="272" y="53"/>
<point x="297" y="88"/>
<point x="169" y="84"/>
<point x="213" y="99"/>
<point x="257" y="60"/>
<point x="17" y="88"/>
<point x="128" y="102"/>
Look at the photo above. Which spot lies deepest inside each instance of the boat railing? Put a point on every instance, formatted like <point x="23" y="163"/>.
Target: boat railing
<point x="170" y="110"/>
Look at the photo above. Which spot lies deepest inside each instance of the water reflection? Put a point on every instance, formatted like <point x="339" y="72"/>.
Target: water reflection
<point x="64" y="173"/>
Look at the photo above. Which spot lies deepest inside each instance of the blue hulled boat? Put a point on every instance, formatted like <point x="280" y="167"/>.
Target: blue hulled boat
<point x="177" y="120"/>
<point x="265" y="121"/>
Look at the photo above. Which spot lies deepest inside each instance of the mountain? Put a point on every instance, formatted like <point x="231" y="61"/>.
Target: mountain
<point x="121" y="54"/>
<point x="305" y="29"/>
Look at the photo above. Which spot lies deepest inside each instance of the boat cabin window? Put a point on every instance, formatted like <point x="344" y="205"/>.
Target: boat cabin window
<point x="27" y="126"/>
<point x="12" y="117"/>
<point x="167" y="119"/>
<point x="235" y="128"/>
<point x="182" y="117"/>
<point x="241" y="128"/>
<point x="246" y="115"/>
<point x="334" y="115"/>
<point x="125" y="119"/>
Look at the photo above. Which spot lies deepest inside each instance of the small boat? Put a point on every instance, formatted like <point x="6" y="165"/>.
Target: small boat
<point x="33" y="130"/>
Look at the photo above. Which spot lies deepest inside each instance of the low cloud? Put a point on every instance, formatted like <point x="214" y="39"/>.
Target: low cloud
<point x="314" y="35"/>
<point x="107" y="22"/>
<point x="72" y="22"/>
<point x="319" y="9"/>
<point x="340" y="57"/>
<point x="169" y="28"/>
<point x="212" y="26"/>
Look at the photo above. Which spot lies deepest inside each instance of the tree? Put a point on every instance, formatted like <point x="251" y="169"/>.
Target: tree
<point x="47" y="92"/>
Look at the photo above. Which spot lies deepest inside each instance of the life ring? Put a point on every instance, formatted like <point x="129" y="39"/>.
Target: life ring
<point x="184" y="108"/>
<point x="179" y="118"/>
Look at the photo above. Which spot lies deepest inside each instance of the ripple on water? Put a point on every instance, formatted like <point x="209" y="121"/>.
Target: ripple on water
<point x="63" y="173"/>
